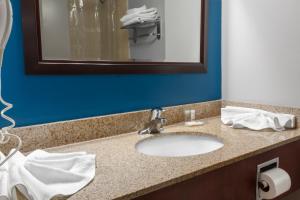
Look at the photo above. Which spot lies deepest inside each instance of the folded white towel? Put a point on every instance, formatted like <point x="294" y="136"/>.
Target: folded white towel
<point x="135" y="10"/>
<point x="140" y="20"/>
<point x="139" y="15"/>
<point x="255" y="119"/>
<point x="152" y="14"/>
<point x="42" y="175"/>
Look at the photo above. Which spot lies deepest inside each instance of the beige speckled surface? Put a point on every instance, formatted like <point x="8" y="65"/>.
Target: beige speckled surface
<point x="68" y="132"/>
<point x="123" y="173"/>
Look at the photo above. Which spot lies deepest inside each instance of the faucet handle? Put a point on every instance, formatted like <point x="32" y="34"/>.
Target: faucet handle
<point x="156" y="123"/>
<point x="156" y="113"/>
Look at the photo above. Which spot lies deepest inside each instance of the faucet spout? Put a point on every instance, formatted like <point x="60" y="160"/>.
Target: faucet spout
<point x="156" y="123"/>
<point x="144" y="131"/>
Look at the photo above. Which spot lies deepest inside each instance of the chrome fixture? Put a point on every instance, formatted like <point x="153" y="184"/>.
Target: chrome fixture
<point x="156" y="123"/>
<point x="260" y="169"/>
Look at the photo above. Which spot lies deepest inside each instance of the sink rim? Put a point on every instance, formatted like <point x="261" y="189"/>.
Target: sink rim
<point x="151" y="137"/>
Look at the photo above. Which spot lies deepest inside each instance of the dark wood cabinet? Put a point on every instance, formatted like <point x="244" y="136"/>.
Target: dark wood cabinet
<point x="233" y="182"/>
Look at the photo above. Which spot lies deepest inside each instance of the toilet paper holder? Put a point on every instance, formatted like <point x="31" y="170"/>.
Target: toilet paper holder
<point x="263" y="168"/>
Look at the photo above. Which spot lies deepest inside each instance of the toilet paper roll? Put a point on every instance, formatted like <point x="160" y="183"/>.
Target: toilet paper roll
<point x="279" y="182"/>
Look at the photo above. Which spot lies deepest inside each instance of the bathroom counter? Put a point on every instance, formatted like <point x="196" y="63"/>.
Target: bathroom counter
<point x="123" y="173"/>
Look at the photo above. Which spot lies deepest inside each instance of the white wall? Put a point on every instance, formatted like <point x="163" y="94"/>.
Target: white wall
<point x="261" y="51"/>
<point x="55" y="29"/>
<point x="182" y="30"/>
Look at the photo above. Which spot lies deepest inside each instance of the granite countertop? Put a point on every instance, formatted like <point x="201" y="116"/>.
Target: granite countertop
<point x="123" y="173"/>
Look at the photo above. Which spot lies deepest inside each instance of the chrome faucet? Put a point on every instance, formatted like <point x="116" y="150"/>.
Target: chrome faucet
<point x="156" y="123"/>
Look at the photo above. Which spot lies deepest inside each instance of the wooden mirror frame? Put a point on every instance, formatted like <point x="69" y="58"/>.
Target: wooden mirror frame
<point x="34" y="63"/>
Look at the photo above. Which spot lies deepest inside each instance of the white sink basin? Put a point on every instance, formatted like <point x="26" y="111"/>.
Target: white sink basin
<point x="179" y="145"/>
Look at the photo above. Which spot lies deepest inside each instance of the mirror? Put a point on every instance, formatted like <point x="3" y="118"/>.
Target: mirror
<point x="114" y="36"/>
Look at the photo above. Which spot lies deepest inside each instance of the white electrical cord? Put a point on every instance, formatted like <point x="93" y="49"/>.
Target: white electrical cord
<point x="6" y="30"/>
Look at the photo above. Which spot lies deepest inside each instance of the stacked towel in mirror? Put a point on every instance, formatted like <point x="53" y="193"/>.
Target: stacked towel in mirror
<point x="42" y="175"/>
<point x="140" y="15"/>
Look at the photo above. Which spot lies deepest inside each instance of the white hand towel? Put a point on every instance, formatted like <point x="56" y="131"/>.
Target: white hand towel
<point x="135" y="10"/>
<point x="152" y="14"/>
<point x="255" y="119"/>
<point x="3" y="180"/>
<point x="42" y="175"/>
<point x="139" y="20"/>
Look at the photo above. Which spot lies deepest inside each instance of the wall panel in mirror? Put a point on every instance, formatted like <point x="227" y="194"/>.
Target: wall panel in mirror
<point x="114" y="36"/>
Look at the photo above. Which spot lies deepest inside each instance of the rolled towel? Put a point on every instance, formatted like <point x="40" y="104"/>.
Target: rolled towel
<point x="152" y="14"/>
<point x="42" y="175"/>
<point x="255" y="119"/>
<point x="140" y="20"/>
<point x="136" y="10"/>
<point x="148" y="11"/>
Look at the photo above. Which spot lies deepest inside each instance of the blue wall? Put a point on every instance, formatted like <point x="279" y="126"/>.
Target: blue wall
<point x="40" y="99"/>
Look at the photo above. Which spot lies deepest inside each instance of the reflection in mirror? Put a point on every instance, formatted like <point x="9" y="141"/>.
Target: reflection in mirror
<point x="121" y="30"/>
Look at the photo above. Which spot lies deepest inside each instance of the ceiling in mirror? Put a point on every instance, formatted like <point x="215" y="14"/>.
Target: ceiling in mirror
<point x="121" y="30"/>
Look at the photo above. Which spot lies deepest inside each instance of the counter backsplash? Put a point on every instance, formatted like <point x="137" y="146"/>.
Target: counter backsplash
<point x="74" y="131"/>
<point x="68" y="132"/>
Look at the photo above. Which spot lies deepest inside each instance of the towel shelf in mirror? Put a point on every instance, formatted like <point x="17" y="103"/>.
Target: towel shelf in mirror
<point x="90" y="45"/>
<point x="146" y="25"/>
